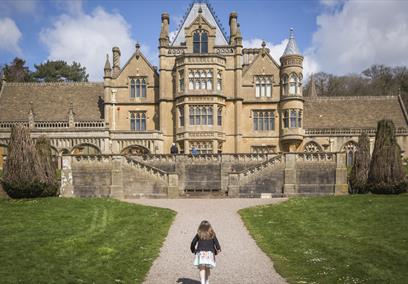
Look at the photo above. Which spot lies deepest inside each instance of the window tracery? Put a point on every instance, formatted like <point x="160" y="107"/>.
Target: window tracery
<point x="138" y="88"/>
<point x="200" y="79"/>
<point x="263" y="86"/>
<point x="312" y="147"/>
<point x="201" y="115"/>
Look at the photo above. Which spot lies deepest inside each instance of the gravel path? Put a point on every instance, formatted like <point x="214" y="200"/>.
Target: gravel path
<point x="241" y="260"/>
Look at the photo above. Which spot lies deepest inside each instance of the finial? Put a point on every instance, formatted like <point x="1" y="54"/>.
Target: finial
<point x="263" y="44"/>
<point x="291" y="33"/>
<point x="200" y="10"/>
<point x="137" y="50"/>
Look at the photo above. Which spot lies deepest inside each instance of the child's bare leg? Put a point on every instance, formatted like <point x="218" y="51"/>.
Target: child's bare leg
<point x="202" y="273"/>
<point x="207" y="275"/>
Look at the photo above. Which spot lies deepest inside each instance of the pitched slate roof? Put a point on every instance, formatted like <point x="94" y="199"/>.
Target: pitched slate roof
<point x="208" y="13"/>
<point x="352" y="112"/>
<point x="51" y="101"/>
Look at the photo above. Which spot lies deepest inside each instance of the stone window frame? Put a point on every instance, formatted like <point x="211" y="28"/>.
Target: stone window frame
<point x="200" y="79"/>
<point x="200" y="43"/>
<point x="138" y="120"/>
<point x="292" y="118"/>
<point x="263" y="86"/>
<point x="138" y="87"/>
<point x="202" y="146"/>
<point x="312" y="147"/>
<point x="263" y="119"/>
<point x="201" y="115"/>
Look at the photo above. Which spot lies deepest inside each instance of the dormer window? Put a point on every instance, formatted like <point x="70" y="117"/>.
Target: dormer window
<point x="200" y="41"/>
<point x="263" y="86"/>
<point x="138" y="88"/>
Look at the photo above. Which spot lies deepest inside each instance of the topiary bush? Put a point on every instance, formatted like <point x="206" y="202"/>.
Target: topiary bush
<point x="25" y="175"/>
<point x="361" y="166"/>
<point x="386" y="174"/>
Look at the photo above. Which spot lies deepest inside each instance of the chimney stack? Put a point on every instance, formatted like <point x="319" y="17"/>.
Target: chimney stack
<point x="233" y="26"/>
<point x="116" y="61"/>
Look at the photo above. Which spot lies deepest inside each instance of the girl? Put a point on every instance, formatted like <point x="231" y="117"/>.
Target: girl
<point x="205" y="246"/>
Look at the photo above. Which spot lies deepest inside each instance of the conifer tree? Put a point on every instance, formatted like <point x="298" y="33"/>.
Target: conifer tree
<point x="386" y="174"/>
<point x="361" y="166"/>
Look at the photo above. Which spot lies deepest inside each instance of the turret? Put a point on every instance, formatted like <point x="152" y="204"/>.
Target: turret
<point x="291" y="105"/>
<point x="164" y="33"/>
<point x="233" y="26"/>
<point x="116" y="62"/>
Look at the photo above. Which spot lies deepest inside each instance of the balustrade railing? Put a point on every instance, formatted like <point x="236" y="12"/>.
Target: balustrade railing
<point x="347" y="131"/>
<point x="55" y="124"/>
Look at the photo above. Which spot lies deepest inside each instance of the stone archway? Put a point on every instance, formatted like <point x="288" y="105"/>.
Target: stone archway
<point x="135" y="150"/>
<point x="85" y="149"/>
<point x="312" y="147"/>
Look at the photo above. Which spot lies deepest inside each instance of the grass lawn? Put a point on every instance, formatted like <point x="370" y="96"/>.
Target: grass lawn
<point x="348" y="239"/>
<point x="60" y="240"/>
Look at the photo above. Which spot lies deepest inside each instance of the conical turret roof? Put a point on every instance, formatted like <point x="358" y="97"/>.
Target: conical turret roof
<point x="291" y="48"/>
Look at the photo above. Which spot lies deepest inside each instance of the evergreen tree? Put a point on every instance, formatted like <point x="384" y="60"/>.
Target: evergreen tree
<point x="361" y="166"/>
<point x="16" y="71"/>
<point x="43" y="147"/>
<point x="24" y="176"/>
<point x="386" y="174"/>
<point x="60" y="71"/>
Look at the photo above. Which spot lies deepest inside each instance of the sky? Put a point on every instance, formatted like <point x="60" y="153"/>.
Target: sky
<point x="334" y="36"/>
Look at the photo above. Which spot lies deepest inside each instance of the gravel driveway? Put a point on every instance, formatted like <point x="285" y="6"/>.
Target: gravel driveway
<point x="241" y="260"/>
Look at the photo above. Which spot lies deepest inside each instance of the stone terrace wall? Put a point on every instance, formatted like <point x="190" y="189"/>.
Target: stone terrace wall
<point x="230" y="175"/>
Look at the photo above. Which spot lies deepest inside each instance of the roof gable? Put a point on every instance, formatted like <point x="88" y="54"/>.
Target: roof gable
<point x="209" y="15"/>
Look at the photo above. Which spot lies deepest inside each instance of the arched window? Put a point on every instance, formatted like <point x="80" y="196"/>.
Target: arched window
<point x="285" y="85"/>
<point x="286" y="119"/>
<point x="293" y="85"/>
<point x="255" y="120"/>
<point x="181" y="112"/>
<point x="204" y="42"/>
<point x="209" y="80"/>
<point x="300" y="84"/>
<point x="258" y="88"/>
<point x="181" y="81"/>
<point x="198" y="115"/>
<point x="138" y="88"/>
<point x="219" y="116"/>
<point x="200" y="42"/>
<point x="268" y="88"/>
<point x="299" y="119"/>
<point x="192" y="114"/>
<point x="312" y="147"/>
<point x="204" y="116"/>
<point x="196" y="80"/>
<point x="350" y="148"/>
<point x="210" y="115"/>
<point x="143" y="88"/>
<point x="196" y="42"/>
<point x="219" y="81"/>
<point x="132" y="88"/>
<point x="292" y="119"/>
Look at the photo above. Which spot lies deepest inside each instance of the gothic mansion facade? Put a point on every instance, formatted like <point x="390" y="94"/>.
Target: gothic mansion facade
<point x="209" y="92"/>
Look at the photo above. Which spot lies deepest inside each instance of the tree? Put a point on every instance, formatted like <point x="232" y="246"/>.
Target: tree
<point x="60" y="71"/>
<point x="17" y="71"/>
<point x="24" y="175"/>
<point x="386" y="174"/>
<point x="361" y="166"/>
<point x="43" y="147"/>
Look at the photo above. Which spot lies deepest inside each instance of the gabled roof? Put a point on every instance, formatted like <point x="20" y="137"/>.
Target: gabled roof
<point x="138" y="52"/>
<point x="51" y="101"/>
<point x="208" y="13"/>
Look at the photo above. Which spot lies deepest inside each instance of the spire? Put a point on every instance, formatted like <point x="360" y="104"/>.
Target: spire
<point x="291" y="48"/>
<point x="311" y="92"/>
<point x="107" y="69"/>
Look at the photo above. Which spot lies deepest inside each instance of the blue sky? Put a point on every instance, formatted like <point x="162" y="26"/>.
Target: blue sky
<point x="337" y="36"/>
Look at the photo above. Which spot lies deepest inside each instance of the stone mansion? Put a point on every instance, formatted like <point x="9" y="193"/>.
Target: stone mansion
<point x="209" y="92"/>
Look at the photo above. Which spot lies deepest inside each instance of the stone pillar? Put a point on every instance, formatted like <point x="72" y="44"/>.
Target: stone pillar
<point x="173" y="188"/>
<point x="341" y="186"/>
<point x="289" y="187"/>
<point x="67" y="183"/>
<point x="116" y="188"/>
<point x="233" y="185"/>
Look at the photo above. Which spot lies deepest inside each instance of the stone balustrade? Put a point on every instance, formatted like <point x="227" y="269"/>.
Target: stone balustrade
<point x="348" y="131"/>
<point x="92" y="124"/>
<point x="316" y="157"/>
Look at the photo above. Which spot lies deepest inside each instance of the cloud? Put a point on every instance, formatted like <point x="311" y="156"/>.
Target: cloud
<point x="10" y="36"/>
<point x="359" y="34"/>
<point x="25" y="7"/>
<point x="276" y="51"/>
<point x="87" y="38"/>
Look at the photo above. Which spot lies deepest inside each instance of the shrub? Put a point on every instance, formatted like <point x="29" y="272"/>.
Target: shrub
<point x="24" y="175"/>
<point x="386" y="174"/>
<point x="361" y="166"/>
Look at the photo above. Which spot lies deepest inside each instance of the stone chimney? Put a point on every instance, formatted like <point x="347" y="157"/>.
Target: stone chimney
<point x="164" y="33"/>
<point x="312" y="88"/>
<point x="233" y="26"/>
<point x="116" y="61"/>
